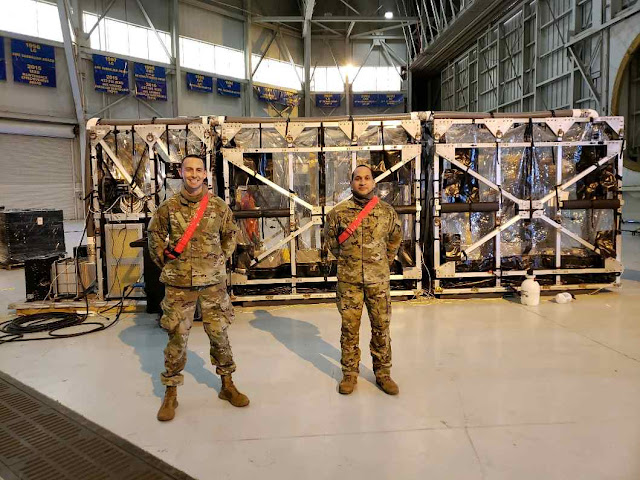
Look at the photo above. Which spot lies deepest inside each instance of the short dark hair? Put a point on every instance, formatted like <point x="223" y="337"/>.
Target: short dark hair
<point x="361" y="165"/>
<point x="193" y="156"/>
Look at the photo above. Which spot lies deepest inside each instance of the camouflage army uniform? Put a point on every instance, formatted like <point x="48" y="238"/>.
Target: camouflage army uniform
<point x="198" y="275"/>
<point x="363" y="278"/>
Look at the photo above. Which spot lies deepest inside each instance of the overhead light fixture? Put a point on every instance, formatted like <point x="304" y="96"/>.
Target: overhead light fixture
<point x="349" y="71"/>
<point x="388" y="15"/>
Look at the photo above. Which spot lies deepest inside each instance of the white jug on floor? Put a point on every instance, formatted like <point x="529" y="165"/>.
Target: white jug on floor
<point x="530" y="290"/>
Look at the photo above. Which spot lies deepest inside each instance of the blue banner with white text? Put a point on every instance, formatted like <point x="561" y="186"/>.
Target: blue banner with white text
<point x="228" y="87"/>
<point x="151" y="81"/>
<point x="199" y="83"/>
<point x="328" y="100"/>
<point x="390" y="99"/>
<point x="3" y="64"/>
<point x="291" y="99"/>
<point x="365" y="100"/>
<point x="33" y="63"/>
<point x="268" y="94"/>
<point x="111" y="74"/>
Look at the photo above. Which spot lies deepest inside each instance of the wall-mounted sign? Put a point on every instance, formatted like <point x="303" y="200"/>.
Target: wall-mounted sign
<point x="291" y="99"/>
<point x="199" y="83"/>
<point x="365" y="100"/>
<point x="390" y="99"/>
<point x="151" y="81"/>
<point x="268" y="94"/>
<point x="377" y="99"/>
<point x="3" y="65"/>
<point x="111" y="74"/>
<point x="33" y="63"/>
<point x="328" y="99"/>
<point x="228" y="87"/>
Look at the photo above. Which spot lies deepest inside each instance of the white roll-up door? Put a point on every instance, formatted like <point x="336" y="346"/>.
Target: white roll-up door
<point x="37" y="172"/>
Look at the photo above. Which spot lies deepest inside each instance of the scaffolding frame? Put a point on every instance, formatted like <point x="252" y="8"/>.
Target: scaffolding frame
<point x="352" y="127"/>
<point x="526" y="209"/>
<point x="157" y="149"/>
<point x="214" y="137"/>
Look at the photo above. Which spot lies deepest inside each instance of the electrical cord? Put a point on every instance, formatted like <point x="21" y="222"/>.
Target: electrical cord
<point x="14" y="330"/>
<point x="21" y="329"/>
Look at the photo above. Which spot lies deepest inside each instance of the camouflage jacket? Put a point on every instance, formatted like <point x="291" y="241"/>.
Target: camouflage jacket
<point x="203" y="261"/>
<point x="366" y="255"/>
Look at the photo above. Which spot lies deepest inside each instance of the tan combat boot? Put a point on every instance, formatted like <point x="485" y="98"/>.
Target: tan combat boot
<point x="169" y="404"/>
<point x="387" y="385"/>
<point x="230" y="393"/>
<point x="348" y="383"/>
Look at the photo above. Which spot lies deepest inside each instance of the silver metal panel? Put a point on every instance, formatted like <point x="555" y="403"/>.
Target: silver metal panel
<point x="542" y="55"/>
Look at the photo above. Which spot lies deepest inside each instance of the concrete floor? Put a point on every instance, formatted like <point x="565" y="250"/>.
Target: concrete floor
<point x="489" y="390"/>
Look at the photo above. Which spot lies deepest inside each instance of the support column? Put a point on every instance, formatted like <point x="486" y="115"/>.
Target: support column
<point x="72" y="68"/>
<point x="347" y="57"/>
<point x="175" y="52"/>
<point x="248" y="48"/>
<point x="307" y="69"/>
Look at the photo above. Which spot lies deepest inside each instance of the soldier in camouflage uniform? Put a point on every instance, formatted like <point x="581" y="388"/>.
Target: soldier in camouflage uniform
<point x="198" y="275"/>
<point x="363" y="278"/>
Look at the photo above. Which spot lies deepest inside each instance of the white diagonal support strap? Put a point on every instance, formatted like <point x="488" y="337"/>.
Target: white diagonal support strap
<point x="484" y="180"/>
<point x="569" y="233"/>
<point x="284" y="241"/>
<point x="578" y="177"/>
<point x="235" y="158"/>
<point x="121" y="169"/>
<point x="412" y="153"/>
<point x="491" y="234"/>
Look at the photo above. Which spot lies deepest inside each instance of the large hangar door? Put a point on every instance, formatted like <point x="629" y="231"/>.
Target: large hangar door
<point x="37" y="172"/>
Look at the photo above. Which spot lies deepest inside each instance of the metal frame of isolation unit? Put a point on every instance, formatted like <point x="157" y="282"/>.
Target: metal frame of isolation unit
<point x="151" y="132"/>
<point x="352" y="127"/>
<point x="526" y="209"/>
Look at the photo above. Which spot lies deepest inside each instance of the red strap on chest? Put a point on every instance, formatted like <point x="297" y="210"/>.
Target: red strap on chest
<point x="356" y="223"/>
<point x="188" y="233"/>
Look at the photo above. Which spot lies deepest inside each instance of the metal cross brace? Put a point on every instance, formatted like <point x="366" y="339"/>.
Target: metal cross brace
<point x="235" y="158"/>
<point x="314" y="221"/>
<point x="116" y="161"/>
<point x="411" y="154"/>
<point x="446" y="151"/>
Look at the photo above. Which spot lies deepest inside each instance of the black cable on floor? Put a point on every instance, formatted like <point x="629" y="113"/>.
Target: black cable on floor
<point x="15" y="329"/>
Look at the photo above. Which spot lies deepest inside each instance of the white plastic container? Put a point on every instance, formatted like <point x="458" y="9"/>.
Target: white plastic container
<point x="564" y="297"/>
<point x="530" y="290"/>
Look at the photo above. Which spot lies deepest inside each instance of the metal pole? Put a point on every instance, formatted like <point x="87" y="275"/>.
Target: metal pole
<point x="175" y="50"/>
<point x="426" y="14"/>
<point x="284" y="48"/>
<point x="146" y="17"/>
<point x="104" y="14"/>
<point x="273" y="37"/>
<point x="248" y="49"/>
<point x="72" y="67"/>
<point x="307" y="70"/>
<point x="409" y="87"/>
<point x="363" y="62"/>
<point x="347" y="92"/>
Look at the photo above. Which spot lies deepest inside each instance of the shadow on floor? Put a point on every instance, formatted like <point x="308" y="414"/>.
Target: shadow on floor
<point x="149" y="341"/>
<point x="303" y="339"/>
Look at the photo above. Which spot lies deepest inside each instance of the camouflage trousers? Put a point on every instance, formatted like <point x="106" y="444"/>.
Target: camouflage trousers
<point x="179" y="306"/>
<point x="377" y="298"/>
